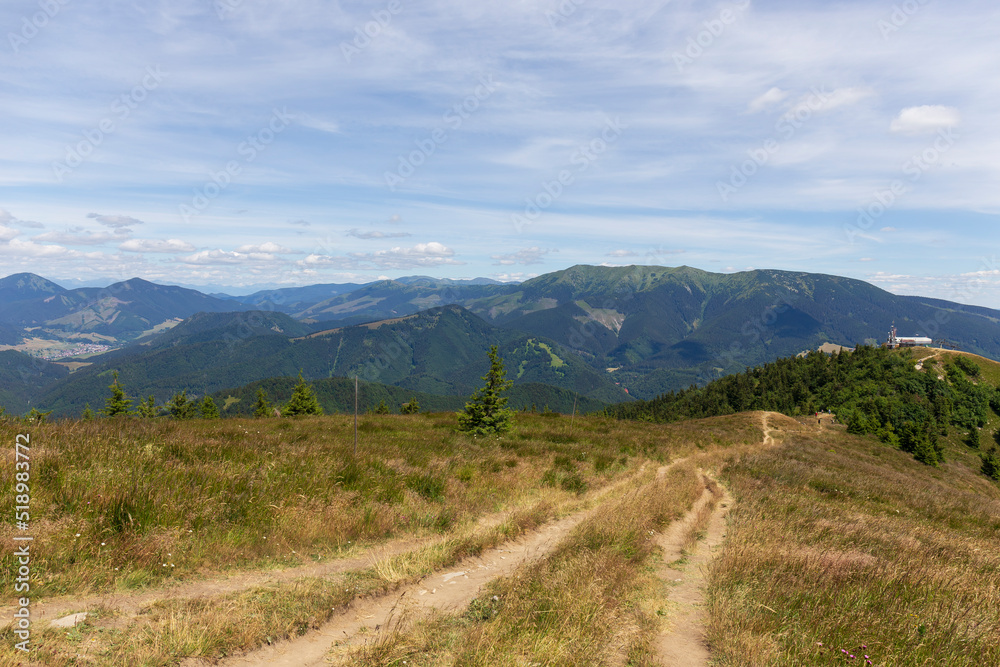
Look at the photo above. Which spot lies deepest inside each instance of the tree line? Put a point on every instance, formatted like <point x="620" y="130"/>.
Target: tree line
<point x="872" y="390"/>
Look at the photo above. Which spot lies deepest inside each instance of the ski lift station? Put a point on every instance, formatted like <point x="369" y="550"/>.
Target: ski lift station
<point x="906" y="341"/>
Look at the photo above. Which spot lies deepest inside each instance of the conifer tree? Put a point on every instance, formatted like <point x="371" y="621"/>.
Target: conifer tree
<point x="262" y="408"/>
<point x="410" y="408"/>
<point x="487" y="412"/>
<point x="209" y="410"/>
<point x="991" y="463"/>
<point x="88" y="414"/>
<point x="303" y="401"/>
<point x="381" y="409"/>
<point x="117" y="403"/>
<point x="181" y="407"/>
<point x="147" y="409"/>
<point x="36" y="416"/>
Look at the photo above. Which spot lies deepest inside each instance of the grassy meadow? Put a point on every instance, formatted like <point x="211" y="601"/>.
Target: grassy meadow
<point x="130" y="505"/>
<point x="835" y="542"/>
<point x="840" y="546"/>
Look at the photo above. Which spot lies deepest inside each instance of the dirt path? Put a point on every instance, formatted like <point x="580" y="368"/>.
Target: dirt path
<point x="128" y="605"/>
<point x="683" y="643"/>
<point x="765" y="427"/>
<point x="446" y="591"/>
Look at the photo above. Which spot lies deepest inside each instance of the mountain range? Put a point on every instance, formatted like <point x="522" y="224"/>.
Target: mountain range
<point x="607" y="333"/>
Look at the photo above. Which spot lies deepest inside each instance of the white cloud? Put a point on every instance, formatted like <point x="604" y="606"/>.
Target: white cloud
<point x="29" y="248"/>
<point x="925" y="119"/>
<point x="767" y="100"/>
<point x="420" y="255"/>
<point x="7" y="219"/>
<point x="266" y="247"/>
<point x="218" y="256"/>
<point x="115" y="221"/>
<point x="6" y="233"/>
<point x="156" y="245"/>
<point x="75" y="236"/>
<point x="622" y="253"/>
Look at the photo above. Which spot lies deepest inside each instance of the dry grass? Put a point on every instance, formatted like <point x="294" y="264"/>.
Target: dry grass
<point x="587" y="603"/>
<point x="838" y="543"/>
<point x="210" y="496"/>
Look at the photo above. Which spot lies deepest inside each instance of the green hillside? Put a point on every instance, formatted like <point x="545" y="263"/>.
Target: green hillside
<point x="662" y="328"/>
<point x="440" y="351"/>
<point x="931" y="403"/>
<point x="337" y="395"/>
<point x="22" y="376"/>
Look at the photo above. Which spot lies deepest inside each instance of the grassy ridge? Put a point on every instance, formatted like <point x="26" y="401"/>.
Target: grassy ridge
<point x="839" y="543"/>
<point x="112" y="501"/>
<point x="585" y="604"/>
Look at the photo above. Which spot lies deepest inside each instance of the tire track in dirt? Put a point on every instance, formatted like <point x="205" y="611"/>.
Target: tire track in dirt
<point x="128" y="605"/>
<point x="684" y="643"/>
<point x="445" y="591"/>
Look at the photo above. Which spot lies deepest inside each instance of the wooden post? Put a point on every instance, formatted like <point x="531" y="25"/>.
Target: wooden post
<point x="573" y="416"/>
<point x="355" y="415"/>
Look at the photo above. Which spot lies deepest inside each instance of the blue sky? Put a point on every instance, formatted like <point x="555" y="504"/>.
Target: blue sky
<point x="240" y="143"/>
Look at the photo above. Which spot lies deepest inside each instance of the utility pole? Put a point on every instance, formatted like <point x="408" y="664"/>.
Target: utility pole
<point x="355" y="416"/>
<point x="573" y="416"/>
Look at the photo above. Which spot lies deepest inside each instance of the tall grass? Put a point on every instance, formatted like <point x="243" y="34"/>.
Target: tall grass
<point x="114" y="500"/>
<point x="122" y="504"/>
<point x="839" y="546"/>
<point x="587" y="603"/>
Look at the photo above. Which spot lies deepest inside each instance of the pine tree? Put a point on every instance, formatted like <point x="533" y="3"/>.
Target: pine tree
<point x="181" y="407"/>
<point x="36" y="416"/>
<point x="991" y="463"/>
<point x="261" y="408"/>
<point x="486" y="411"/>
<point x="209" y="410"/>
<point x="88" y="414"/>
<point x="381" y="409"/>
<point x="117" y="404"/>
<point x="410" y="408"/>
<point x="303" y="401"/>
<point x="147" y="409"/>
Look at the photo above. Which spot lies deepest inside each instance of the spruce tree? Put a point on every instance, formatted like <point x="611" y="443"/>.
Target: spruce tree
<point x="181" y="407"/>
<point x="410" y="408"/>
<point x="486" y="412"/>
<point x="209" y="410"/>
<point x="88" y="414"/>
<point x="303" y="401"/>
<point x="147" y="409"/>
<point x="991" y="463"/>
<point x="117" y="404"/>
<point x="261" y="408"/>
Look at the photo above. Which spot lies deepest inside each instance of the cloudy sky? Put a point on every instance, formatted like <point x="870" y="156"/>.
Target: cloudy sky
<point x="243" y="143"/>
